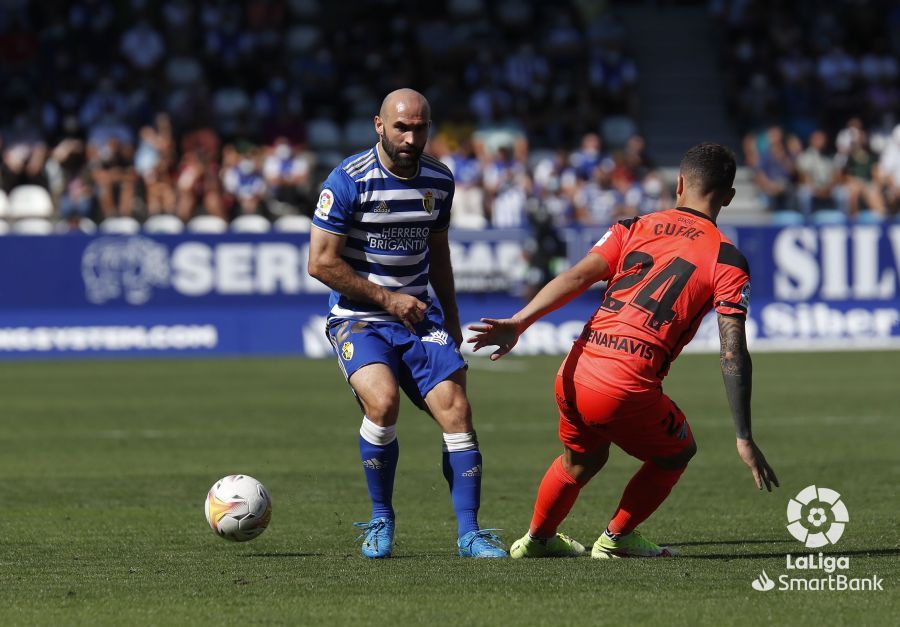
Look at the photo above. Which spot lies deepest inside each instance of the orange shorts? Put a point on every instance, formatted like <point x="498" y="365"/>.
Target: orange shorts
<point x="646" y="426"/>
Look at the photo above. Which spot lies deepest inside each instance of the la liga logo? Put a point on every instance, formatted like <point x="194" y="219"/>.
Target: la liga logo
<point x="810" y="510"/>
<point x="817" y="517"/>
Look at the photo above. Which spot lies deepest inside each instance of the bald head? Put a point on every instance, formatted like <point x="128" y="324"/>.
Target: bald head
<point x="402" y="125"/>
<point x="407" y="102"/>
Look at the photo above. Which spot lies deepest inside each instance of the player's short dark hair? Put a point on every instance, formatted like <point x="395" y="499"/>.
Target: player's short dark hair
<point x="710" y="167"/>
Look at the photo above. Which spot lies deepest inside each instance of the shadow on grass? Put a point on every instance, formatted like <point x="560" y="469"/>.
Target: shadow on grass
<point x="345" y="556"/>
<point x="752" y="556"/>
<point x="285" y="555"/>
<point x="726" y="542"/>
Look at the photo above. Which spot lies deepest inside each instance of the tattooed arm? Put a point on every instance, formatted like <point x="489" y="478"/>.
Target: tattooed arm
<point x="737" y="374"/>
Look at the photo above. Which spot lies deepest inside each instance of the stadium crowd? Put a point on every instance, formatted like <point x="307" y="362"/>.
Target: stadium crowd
<point x="815" y="87"/>
<point x="223" y="108"/>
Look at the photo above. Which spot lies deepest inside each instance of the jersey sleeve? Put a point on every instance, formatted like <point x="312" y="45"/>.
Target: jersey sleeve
<point x="731" y="282"/>
<point x="610" y="245"/>
<point x="334" y="210"/>
<point x="443" y="221"/>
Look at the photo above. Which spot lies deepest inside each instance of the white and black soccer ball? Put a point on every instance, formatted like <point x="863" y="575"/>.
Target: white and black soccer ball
<point x="238" y="508"/>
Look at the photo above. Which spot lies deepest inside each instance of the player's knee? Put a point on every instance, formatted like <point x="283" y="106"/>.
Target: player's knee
<point x="456" y="416"/>
<point x="583" y="466"/>
<point x="680" y="459"/>
<point x="383" y="408"/>
<point x="449" y="406"/>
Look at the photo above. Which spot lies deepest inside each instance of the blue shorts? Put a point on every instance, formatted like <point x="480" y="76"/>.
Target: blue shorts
<point x="419" y="361"/>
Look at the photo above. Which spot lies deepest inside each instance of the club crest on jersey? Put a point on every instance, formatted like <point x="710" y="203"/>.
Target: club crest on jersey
<point x="428" y="201"/>
<point x="326" y="200"/>
<point x="347" y="351"/>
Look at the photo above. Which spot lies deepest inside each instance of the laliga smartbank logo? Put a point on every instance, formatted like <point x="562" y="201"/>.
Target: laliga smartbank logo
<point x="817" y="517"/>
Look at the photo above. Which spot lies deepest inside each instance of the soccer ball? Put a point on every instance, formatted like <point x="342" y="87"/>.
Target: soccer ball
<point x="238" y="508"/>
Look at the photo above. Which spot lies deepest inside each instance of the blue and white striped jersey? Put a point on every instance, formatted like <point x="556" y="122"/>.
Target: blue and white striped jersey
<point x="387" y="221"/>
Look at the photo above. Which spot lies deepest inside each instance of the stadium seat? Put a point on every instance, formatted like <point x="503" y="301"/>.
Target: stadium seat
<point x="184" y="71"/>
<point x="293" y="224"/>
<point x="32" y="226"/>
<point x="308" y="9"/>
<point x="121" y="225"/>
<point x="250" y="223"/>
<point x="207" y="224"/>
<point x="4" y="204"/>
<point x="327" y="160"/>
<point x="617" y="129"/>
<point x="869" y="217"/>
<point x="301" y="38"/>
<point x="829" y="216"/>
<point x="323" y="133"/>
<point x="30" y="201"/>
<point x="163" y="223"/>
<point x="4" y="227"/>
<point x="787" y="218"/>
<point x="85" y="225"/>
<point x="359" y="132"/>
<point x="466" y="8"/>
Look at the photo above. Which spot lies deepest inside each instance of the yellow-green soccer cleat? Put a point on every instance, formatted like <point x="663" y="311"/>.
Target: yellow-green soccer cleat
<point x="631" y="545"/>
<point x="559" y="545"/>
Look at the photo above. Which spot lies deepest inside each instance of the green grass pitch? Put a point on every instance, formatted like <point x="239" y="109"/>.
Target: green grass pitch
<point x="106" y="464"/>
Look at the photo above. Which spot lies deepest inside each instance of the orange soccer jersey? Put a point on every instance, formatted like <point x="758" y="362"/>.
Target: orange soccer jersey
<point x="668" y="270"/>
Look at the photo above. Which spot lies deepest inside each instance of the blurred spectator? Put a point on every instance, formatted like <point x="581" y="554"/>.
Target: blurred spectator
<point x="288" y="176"/>
<point x="889" y="170"/>
<point x="859" y="169"/>
<point x="774" y="171"/>
<point x="596" y="201"/>
<point x="468" y="198"/>
<point x="588" y="157"/>
<point x="112" y="169"/>
<point x="23" y="164"/>
<point x="245" y="183"/>
<point x="506" y="184"/>
<point x="153" y="161"/>
<point x="76" y="199"/>
<point x="197" y="186"/>
<point x="817" y="176"/>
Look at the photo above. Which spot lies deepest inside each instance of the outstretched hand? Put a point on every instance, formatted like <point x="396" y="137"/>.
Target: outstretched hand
<point x="500" y="333"/>
<point x="756" y="461"/>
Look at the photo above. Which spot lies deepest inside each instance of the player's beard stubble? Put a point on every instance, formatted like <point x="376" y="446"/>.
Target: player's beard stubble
<point x="400" y="160"/>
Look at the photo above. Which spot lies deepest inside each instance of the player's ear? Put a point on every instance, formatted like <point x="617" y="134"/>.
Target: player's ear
<point x="379" y="125"/>
<point x="728" y="197"/>
<point x="679" y="186"/>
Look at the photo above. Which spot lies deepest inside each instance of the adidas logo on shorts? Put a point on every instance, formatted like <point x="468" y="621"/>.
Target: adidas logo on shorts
<point x="474" y="471"/>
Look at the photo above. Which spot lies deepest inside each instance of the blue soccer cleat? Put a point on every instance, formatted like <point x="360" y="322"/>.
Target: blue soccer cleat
<point x="377" y="536"/>
<point x="481" y="543"/>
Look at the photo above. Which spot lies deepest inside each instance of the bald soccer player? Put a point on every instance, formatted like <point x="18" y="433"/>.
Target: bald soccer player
<point x="380" y="238"/>
<point x="666" y="271"/>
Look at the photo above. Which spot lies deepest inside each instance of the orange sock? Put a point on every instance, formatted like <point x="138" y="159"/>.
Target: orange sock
<point x="555" y="498"/>
<point x="646" y="491"/>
